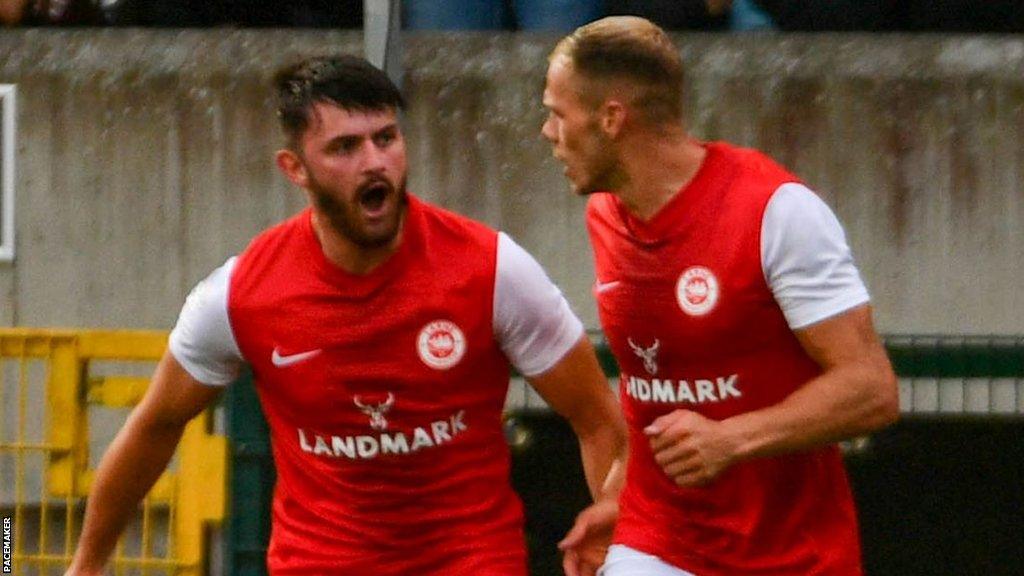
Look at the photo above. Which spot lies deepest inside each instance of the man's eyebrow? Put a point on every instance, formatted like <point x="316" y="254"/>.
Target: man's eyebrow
<point x="352" y="137"/>
<point x="343" y="139"/>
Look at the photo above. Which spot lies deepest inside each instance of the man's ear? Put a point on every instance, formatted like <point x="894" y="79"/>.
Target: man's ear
<point x="613" y="118"/>
<point x="292" y="167"/>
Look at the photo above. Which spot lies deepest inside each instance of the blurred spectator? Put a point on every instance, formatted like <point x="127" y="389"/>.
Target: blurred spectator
<point x="184" y="13"/>
<point x="557" y="15"/>
<point x="897" y="15"/>
<point x="326" y="13"/>
<point x="835" y="15"/>
<point x="457" y="15"/>
<point x="256" y="13"/>
<point x="1004" y="16"/>
<point x="696" y="14"/>
<point x="676" y="14"/>
<point x="967" y="16"/>
<point x="50" y="12"/>
<point x="12" y="11"/>
<point x="747" y="15"/>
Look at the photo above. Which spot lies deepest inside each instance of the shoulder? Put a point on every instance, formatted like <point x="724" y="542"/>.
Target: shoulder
<point x="806" y="259"/>
<point x="796" y="199"/>
<point x="753" y="168"/>
<point x="796" y="216"/>
<point x="533" y="323"/>
<point x="279" y="233"/>
<point x="267" y="247"/>
<point x="202" y="339"/>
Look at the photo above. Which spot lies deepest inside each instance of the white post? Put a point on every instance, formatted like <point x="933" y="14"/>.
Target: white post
<point x="382" y="26"/>
<point x="8" y="124"/>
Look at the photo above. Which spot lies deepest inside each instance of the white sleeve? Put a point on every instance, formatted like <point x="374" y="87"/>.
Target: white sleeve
<point x="533" y="323"/>
<point x="805" y="258"/>
<point x="202" y="340"/>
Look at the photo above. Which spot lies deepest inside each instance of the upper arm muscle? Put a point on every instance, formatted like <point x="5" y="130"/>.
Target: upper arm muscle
<point x="577" y="388"/>
<point x="846" y="338"/>
<point x="174" y="397"/>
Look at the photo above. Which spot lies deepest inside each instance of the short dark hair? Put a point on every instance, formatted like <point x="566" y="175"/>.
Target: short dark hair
<point x="346" y="81"/>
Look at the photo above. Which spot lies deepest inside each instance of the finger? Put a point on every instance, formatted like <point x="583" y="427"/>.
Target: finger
<point x="671" y="436"/>
<point x="676" y="459"/>
<point x="590" y="563"/>
<point x="576" y="534"/>
<point x="667" y="421"/>
<point x="660" y="424"/>
<point x="684" y="467"/>
<point x="589" y="569"/>
<point x="693" y="479"/>
<point x="668" y="436"/>
<point x="571" y="564"/>
<point x="583" y="562"/>
<point x="673" y="432"/>
<point x="673" y="452"/>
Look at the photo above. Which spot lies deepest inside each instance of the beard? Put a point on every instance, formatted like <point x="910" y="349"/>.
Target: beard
<point x="347" y="219"/>
<point x="599" y="170"/>
<point x="603" y="175"/>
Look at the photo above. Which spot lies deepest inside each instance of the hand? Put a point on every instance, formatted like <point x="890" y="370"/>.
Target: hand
<point x="586" y="544"/>
<point x="691" y="449"/>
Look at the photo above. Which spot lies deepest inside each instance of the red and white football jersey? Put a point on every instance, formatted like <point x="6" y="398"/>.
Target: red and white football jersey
<point x="699" y="305"/>
<point x="384" y="392"/>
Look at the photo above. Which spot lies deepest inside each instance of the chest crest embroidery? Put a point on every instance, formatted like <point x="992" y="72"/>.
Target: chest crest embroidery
<point x="697" y="291"/>
<point x="441" y="344"/>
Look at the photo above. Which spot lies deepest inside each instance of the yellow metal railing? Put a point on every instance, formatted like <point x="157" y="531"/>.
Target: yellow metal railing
<point x="50" y="381"/>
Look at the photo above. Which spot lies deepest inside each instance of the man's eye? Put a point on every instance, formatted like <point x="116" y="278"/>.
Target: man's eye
<point x="346" y="147"/>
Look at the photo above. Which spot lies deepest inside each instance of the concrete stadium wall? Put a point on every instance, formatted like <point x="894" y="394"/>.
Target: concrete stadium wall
<point x="144" y="159"/>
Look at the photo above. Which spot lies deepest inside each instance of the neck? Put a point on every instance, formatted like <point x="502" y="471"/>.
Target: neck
<point x="346" y="254"/>
<point x="657" y="167"/>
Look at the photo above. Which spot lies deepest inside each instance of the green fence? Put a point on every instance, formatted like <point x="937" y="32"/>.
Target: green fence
<point x="941" y="492"/>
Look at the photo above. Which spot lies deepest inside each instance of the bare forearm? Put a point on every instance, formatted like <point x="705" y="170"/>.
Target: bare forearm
<point x="576" y="388"/>
<point x="129" y="469"/>
<point x="136" y="458"/>
<point x="856" y="392"/>
<point x="839" y="404"/>
<point x="604" y="462"/>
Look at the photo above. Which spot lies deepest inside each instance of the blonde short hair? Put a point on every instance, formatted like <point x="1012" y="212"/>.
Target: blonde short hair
<point x="632" y="49"/>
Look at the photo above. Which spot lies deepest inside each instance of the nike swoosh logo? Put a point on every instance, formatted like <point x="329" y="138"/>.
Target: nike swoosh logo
<point x="599" y="287"/>
<point x="281" y="360"/>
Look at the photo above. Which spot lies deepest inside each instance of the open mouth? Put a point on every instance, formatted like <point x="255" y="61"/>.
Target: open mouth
<point x="373" y="195"/>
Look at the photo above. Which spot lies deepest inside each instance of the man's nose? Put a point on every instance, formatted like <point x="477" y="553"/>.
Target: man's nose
<point x="373" y="158"/>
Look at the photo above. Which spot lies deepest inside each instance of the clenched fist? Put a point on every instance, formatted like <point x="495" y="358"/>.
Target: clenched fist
<point x="691" y="449"/>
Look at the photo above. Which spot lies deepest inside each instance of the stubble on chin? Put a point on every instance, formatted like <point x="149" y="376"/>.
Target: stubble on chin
<point x="346" y="221"/>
